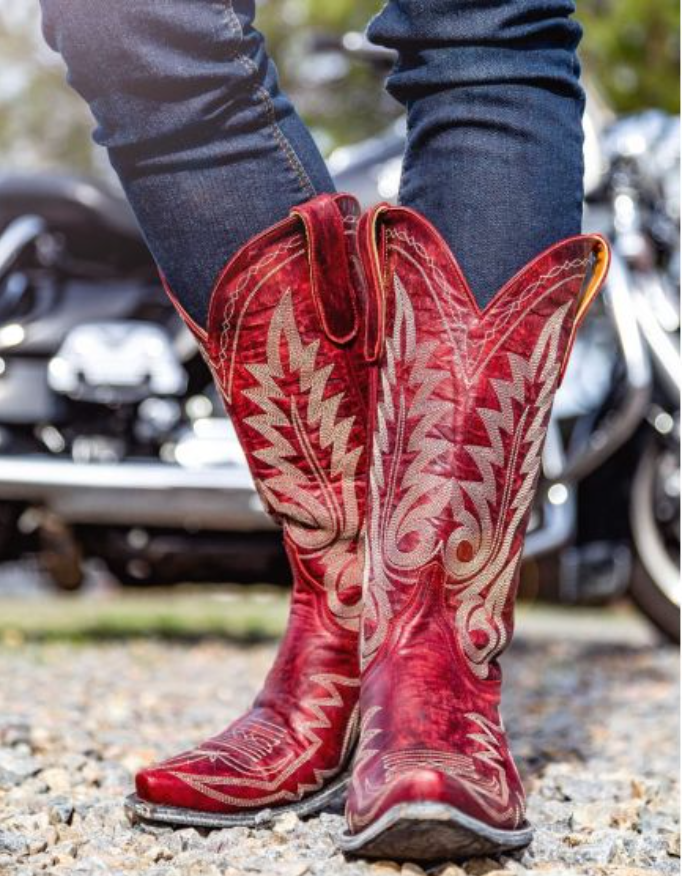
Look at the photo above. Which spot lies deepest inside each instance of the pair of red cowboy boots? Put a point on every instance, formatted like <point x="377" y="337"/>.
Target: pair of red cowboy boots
<point x="395" y="429"/>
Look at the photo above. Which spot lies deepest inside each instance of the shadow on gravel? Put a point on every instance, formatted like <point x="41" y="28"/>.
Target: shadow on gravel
<point x="558" y="691"/>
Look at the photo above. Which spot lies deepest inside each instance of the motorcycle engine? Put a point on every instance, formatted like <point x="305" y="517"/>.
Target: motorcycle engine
<point x="121" y="362"/>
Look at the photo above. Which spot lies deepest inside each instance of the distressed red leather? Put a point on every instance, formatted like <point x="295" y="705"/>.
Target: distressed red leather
<point x="461" y="401"/>
<point x="285" y="345"/>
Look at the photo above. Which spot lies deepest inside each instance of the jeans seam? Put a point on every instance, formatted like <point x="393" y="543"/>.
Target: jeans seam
<point x="265" y="98"/>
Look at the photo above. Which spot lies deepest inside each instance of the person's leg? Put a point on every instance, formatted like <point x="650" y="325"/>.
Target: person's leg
<point x="208" y="149"/>
<point x="210" y="154"/>
<point x="494" y="156"/>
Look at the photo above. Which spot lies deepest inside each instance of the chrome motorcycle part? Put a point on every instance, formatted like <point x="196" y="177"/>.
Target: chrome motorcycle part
<point x="156" y="417"/>
<point x="655" y="518"/>
<point x="146" y="493"/>
<point x="117" y="361"/>
<point x="211" y="441"/>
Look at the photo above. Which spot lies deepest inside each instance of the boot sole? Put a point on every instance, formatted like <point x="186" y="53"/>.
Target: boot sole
<point x="431" y="832"/>
<point x="140" y="811"/>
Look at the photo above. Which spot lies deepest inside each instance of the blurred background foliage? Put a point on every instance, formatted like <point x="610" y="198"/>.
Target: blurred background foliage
<point x="630" y="51"/>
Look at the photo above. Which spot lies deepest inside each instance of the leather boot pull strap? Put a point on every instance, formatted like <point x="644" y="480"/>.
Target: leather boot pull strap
<point x="370" y="242"/>
<point x="330" y="275"/>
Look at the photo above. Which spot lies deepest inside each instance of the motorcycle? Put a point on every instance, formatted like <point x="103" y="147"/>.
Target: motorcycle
<point x="113" y="443"/>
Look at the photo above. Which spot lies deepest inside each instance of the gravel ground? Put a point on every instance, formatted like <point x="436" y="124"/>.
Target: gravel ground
<point x="593" y="719"/>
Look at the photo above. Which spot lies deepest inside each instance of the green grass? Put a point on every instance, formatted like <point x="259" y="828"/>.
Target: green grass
<point x="247" y="615"/>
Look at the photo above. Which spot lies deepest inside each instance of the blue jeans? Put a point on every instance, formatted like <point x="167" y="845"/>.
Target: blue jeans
<point x="210" y="151"/>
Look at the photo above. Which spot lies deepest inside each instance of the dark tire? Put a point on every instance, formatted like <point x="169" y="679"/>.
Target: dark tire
<point x="663" y="613"/>
<point x="655" y="583"/>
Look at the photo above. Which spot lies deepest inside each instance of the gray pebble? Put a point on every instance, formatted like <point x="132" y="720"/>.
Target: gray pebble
<point x="598" y="756"/>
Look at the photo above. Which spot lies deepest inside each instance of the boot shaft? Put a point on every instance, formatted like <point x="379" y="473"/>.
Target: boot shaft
<point x="285" y="345"/>
<point x="462" y="399"/>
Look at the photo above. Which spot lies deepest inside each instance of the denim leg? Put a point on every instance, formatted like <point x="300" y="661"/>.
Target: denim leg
<point x="494" y="156"/>
<point x="208" y="149"/>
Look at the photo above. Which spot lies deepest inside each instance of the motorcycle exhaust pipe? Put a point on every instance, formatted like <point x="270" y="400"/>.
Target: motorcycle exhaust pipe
<point x="137" y="493"/>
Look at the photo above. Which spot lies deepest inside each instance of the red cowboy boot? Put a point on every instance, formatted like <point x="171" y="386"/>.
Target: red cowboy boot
<point x="285" y="344"/>
<point x="462" y="405"/>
